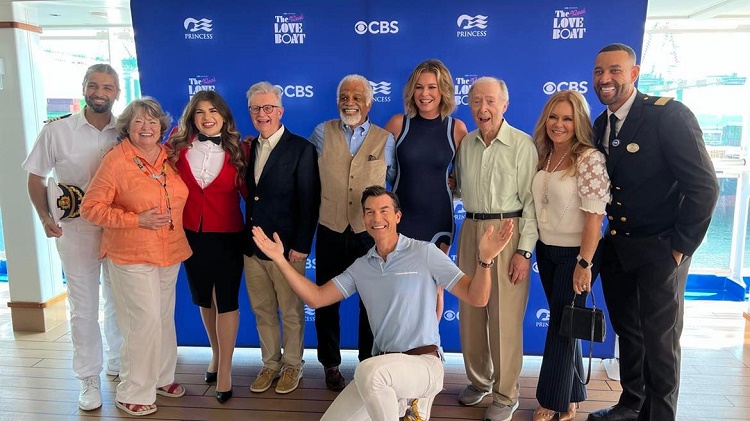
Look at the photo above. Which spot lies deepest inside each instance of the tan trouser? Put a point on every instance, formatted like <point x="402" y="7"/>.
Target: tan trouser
<point x="270" y="293"/>
<point x="492" y="336"/>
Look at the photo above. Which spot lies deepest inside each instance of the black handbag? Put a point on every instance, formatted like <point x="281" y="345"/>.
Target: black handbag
<point x="583" y="323"/>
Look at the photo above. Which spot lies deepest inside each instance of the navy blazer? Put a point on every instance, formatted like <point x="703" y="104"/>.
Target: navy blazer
<point x="664" y="187"/>
<point x="286" y="199"/>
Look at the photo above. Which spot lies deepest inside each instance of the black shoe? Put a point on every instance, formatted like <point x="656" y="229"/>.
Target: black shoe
<point x="334" y="380"/>
<point x="615" y="413"/>
<point x="210" y="377"/>
<point x="223" y="396"/>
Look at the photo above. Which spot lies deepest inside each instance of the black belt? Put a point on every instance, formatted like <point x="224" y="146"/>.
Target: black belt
<point x="420" y="350"/>
<point x="485" y="216"/>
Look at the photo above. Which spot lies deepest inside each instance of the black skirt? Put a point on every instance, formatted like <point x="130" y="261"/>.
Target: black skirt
<point x="217" y="264"/>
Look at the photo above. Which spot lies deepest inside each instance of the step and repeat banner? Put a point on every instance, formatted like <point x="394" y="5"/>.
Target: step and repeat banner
<point x="537" y="47"/>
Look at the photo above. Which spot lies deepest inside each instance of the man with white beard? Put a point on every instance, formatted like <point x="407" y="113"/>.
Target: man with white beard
<point x="353" y="154"/>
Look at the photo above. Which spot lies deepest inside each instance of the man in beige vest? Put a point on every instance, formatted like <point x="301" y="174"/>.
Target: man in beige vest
<point x="353" y="154"/>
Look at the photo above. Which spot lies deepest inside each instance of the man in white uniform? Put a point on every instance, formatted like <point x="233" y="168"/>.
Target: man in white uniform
<point x="73" y="146"/>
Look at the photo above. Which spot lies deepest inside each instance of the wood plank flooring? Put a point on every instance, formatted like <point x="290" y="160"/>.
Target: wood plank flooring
<point x="37" y="383"/>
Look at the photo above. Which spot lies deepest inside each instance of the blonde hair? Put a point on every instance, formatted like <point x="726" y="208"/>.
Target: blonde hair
<point x="583" y="135"/>
<point x="445" y="86"/>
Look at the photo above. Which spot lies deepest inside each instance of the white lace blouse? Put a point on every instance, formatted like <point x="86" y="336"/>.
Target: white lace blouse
<point x="569" y="198"/>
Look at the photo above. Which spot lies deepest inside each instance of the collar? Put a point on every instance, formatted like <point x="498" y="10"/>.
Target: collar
<point x="274" y="139"/>
<point x="502" y="135"/>
<point x="623" y="111"/>
<point x="401" y="244"/>
<point x="364" y="127"/>
<point x="83" y="122"/>
<point x="131" y="152"/>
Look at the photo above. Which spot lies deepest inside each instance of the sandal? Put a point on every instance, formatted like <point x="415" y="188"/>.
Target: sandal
<point x="173" y="390"/>
<point x="136" y="409"/>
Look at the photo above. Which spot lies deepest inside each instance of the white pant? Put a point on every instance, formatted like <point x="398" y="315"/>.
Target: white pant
<point x="381" y="382"/>
<point x="145" y="300"/>
<point x="79" y="254"/>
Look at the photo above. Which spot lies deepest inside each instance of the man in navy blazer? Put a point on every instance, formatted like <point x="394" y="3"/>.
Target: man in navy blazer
<point x="284" y="197"/>
<point x="664" y="189"/>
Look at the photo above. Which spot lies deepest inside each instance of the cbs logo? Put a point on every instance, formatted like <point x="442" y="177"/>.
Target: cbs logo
<point x="376" y="27"/>
<point x="550" y="88"/>
<point x="297" y="91"/>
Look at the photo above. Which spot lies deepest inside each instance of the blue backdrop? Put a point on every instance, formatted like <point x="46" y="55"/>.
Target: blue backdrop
<point x="537" y="46"/>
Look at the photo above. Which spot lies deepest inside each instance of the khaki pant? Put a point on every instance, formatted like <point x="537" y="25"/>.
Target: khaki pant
<point x="492" y="336"/>
<point x="270" y="293"/>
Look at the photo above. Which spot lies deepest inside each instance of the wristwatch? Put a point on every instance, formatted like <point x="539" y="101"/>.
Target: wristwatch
<point x="583" y="263"/>
<point x="526" y="254"/>
<point x="484" y="264"/>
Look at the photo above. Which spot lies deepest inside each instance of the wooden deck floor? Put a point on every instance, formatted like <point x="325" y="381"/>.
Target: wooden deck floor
<point x="37" y="383"/>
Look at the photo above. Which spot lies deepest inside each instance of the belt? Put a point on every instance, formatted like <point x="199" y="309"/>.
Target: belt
<point x="485" y="216"/>
<point x="420" y="350"/>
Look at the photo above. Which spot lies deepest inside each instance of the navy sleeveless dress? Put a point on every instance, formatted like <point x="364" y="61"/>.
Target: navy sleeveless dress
<point x="425" y="151"/>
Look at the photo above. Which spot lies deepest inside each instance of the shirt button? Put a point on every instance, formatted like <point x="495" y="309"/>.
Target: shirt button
<point x="256" y="198"/>
<point x="619" y="203"/>
<point x="610" y="217"/>
<point x="613" y="232"/>
<point x="617" y="188"/>
<point x="350" y="203"/>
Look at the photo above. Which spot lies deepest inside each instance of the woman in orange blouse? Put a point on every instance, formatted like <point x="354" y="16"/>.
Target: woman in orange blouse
<point x="138" y="198"/>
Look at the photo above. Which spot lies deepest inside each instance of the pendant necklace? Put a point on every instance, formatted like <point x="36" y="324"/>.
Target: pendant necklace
<point x="545" y="190"/>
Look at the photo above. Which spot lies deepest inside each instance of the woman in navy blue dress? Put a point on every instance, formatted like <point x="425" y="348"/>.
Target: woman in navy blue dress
<point x="426" y="142"/>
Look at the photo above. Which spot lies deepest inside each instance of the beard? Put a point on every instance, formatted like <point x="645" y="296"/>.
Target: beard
<point x="621" y="92"/>
<point x="99" y="109"/>
<point x="351" y="119"/>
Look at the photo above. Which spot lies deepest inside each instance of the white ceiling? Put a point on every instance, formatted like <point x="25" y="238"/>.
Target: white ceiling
<point x="97" y="13"/>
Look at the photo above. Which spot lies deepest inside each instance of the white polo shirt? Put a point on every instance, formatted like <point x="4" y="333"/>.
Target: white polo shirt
<point x="71" y="147"/>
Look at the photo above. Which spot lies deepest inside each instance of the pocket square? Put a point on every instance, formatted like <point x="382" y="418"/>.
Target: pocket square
<point x="372" y="158"/>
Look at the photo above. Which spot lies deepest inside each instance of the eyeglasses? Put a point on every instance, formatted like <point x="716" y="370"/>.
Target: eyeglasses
<point x="255" y="109"/>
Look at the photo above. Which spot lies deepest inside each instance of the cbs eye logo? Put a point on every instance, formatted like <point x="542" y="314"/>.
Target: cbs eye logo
<point x="376" y="27"/>
<point x="550" y="88"/>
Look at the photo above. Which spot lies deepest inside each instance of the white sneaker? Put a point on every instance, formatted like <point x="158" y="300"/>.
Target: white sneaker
<point x="91" y="394"/>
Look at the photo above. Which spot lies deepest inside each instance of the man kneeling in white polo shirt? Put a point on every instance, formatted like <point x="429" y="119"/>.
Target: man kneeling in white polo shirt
<point x="396" y="280"/>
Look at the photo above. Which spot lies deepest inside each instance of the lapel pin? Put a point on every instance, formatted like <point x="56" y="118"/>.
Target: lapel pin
<point x="616" y="143"/>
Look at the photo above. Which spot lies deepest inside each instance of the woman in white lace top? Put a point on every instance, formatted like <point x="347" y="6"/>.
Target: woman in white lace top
<point x="570" y="191"/>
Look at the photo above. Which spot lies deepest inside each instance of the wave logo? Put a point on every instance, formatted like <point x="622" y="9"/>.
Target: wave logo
<point x="535" y="267"/>
<point x="459" y="213"/>
<point x="542" y="318"/>
<point x="471" y="22"/>
<point x="309" y="314"/>
<point x="194" y="25"/>
<point x="382" y="88"/>
<point x="450" y="315"/>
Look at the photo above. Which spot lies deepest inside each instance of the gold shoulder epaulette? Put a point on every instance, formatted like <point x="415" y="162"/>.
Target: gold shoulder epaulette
<point x="57" y="118"/>
<point x="662" y="100"/>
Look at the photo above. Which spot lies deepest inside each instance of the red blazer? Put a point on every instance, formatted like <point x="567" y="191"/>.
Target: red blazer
<point x="218" y="205"/>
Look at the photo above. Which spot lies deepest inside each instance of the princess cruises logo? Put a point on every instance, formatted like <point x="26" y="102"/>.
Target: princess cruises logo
<point x="198" y="28"/>
<point x="542" y="318"/>
<point x="309" y="314"/>
<point x="471" y="26"/>
<point x="288" y="29"/>
<point x="381" y="91"/>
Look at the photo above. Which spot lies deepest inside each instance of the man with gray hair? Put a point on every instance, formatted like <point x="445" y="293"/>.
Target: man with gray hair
<point x="283" y="197"/>
<point x="353" y="154"/>
<point x="72" y="146"/>
<point x="494" y="169"/>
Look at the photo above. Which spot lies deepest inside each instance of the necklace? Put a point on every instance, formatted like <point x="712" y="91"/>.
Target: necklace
<point x="545" y="189"/>
<point x="160" y="178"/>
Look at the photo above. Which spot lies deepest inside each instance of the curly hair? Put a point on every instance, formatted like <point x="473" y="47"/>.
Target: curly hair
<point x="582" y="140"/>
<point x="186" y="131"/>
<point x="445" y="86"/>
<point x="152" y="108"/>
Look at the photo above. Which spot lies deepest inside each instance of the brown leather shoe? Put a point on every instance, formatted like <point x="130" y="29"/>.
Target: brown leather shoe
<point x="334" y="380"/>
<point x="570" y="414"/>
<point x="544" y="414"/>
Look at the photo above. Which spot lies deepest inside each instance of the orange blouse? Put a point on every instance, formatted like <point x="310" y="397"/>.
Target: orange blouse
<point x="121" y="190"/>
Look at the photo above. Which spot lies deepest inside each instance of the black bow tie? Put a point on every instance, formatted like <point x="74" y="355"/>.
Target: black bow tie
<point x="215" y="139"/>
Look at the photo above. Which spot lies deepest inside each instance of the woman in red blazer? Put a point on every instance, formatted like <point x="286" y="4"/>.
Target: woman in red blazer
<point x="212" y="161"/>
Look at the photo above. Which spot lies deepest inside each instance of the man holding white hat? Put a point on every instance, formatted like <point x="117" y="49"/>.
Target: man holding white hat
<point x="73" y="146"/>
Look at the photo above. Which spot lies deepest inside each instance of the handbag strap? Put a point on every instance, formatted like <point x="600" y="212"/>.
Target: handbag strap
<point x="576" y="341"/>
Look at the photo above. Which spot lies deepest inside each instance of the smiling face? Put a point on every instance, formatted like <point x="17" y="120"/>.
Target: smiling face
<point x="353" y="105"/>
<point x="427" y="95"/>
<point x="144" y="131"/>
<point x="265" y="123"/>
<point x="381" y="218"/>
<point x="560" y="124"/>
<point x="207" y="119"/>
<point x="100" y="92"/>
<point x="487" y="107"/>
<point x="615" y="73"/>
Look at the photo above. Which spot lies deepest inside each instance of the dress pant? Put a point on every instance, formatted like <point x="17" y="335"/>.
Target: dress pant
<point x="492" y="336"/>
<point x="145" y="301"/>
<point x="334" y="253"/>
<point x="270" y="293"/>
<point x="383" y="382"/>
<point x="646" y="306"/>
<point x="558" y="385"/>
<point x="79" y="253"/>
